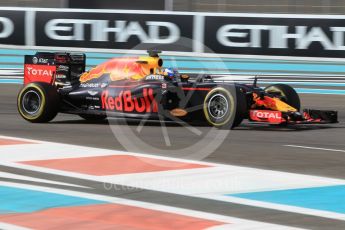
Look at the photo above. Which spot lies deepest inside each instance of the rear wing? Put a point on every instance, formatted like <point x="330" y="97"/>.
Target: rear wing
<point x="49" y="67"/>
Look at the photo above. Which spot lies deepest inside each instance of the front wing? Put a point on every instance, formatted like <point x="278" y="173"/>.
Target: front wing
<point x="309" y="116"/>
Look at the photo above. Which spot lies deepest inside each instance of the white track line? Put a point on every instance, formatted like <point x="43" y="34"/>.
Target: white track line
<point x="281" y="207"/>
<point x="236" y="223"/>
<point x="12" y="227"/>
<point x="229" y="175"/>
<point x="316" y="148"/>
<point x="32" y="179"/>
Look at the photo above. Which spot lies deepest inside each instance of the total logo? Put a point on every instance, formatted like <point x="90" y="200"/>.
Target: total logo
<point x="264" y="114"/>
<point x="125" y="102"/>
<point x="39" y="72"/>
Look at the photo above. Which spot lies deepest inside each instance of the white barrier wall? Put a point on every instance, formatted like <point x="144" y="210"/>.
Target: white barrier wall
<point x="258" y="35"/>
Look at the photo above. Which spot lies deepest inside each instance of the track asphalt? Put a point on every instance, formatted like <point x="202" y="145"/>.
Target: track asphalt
<point x="313" y="150"/>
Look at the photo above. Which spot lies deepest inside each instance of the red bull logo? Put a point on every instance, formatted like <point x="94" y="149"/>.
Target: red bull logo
<point x="125" y="102"/>
<point x="118" y="69"/>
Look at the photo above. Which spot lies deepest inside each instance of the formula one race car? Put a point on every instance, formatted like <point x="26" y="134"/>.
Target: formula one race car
<point x="138" y="87"/>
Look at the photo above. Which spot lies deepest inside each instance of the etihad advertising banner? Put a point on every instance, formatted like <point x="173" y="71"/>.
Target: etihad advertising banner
<point x="113" y="30"/>
<point x="12" y="27"/>
<point x="312" y="37"/>
<point x="241" y="34"/>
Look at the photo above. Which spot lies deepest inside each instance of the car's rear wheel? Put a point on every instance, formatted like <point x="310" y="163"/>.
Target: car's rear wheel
<point x="220" y="109"/>
<point x="38" y="102"/>
<point x="287" y="93"/>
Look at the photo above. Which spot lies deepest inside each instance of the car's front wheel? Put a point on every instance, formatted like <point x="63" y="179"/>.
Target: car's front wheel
<point x="38" y="102"/>
<point x="220" y="109"/>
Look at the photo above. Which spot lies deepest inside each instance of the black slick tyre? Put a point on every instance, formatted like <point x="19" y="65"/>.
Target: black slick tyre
<point x="220" y="109"/>
<point x="38" y="102"/>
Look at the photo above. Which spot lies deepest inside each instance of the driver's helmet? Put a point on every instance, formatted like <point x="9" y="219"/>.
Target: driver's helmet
<point x="170" y="72"/>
